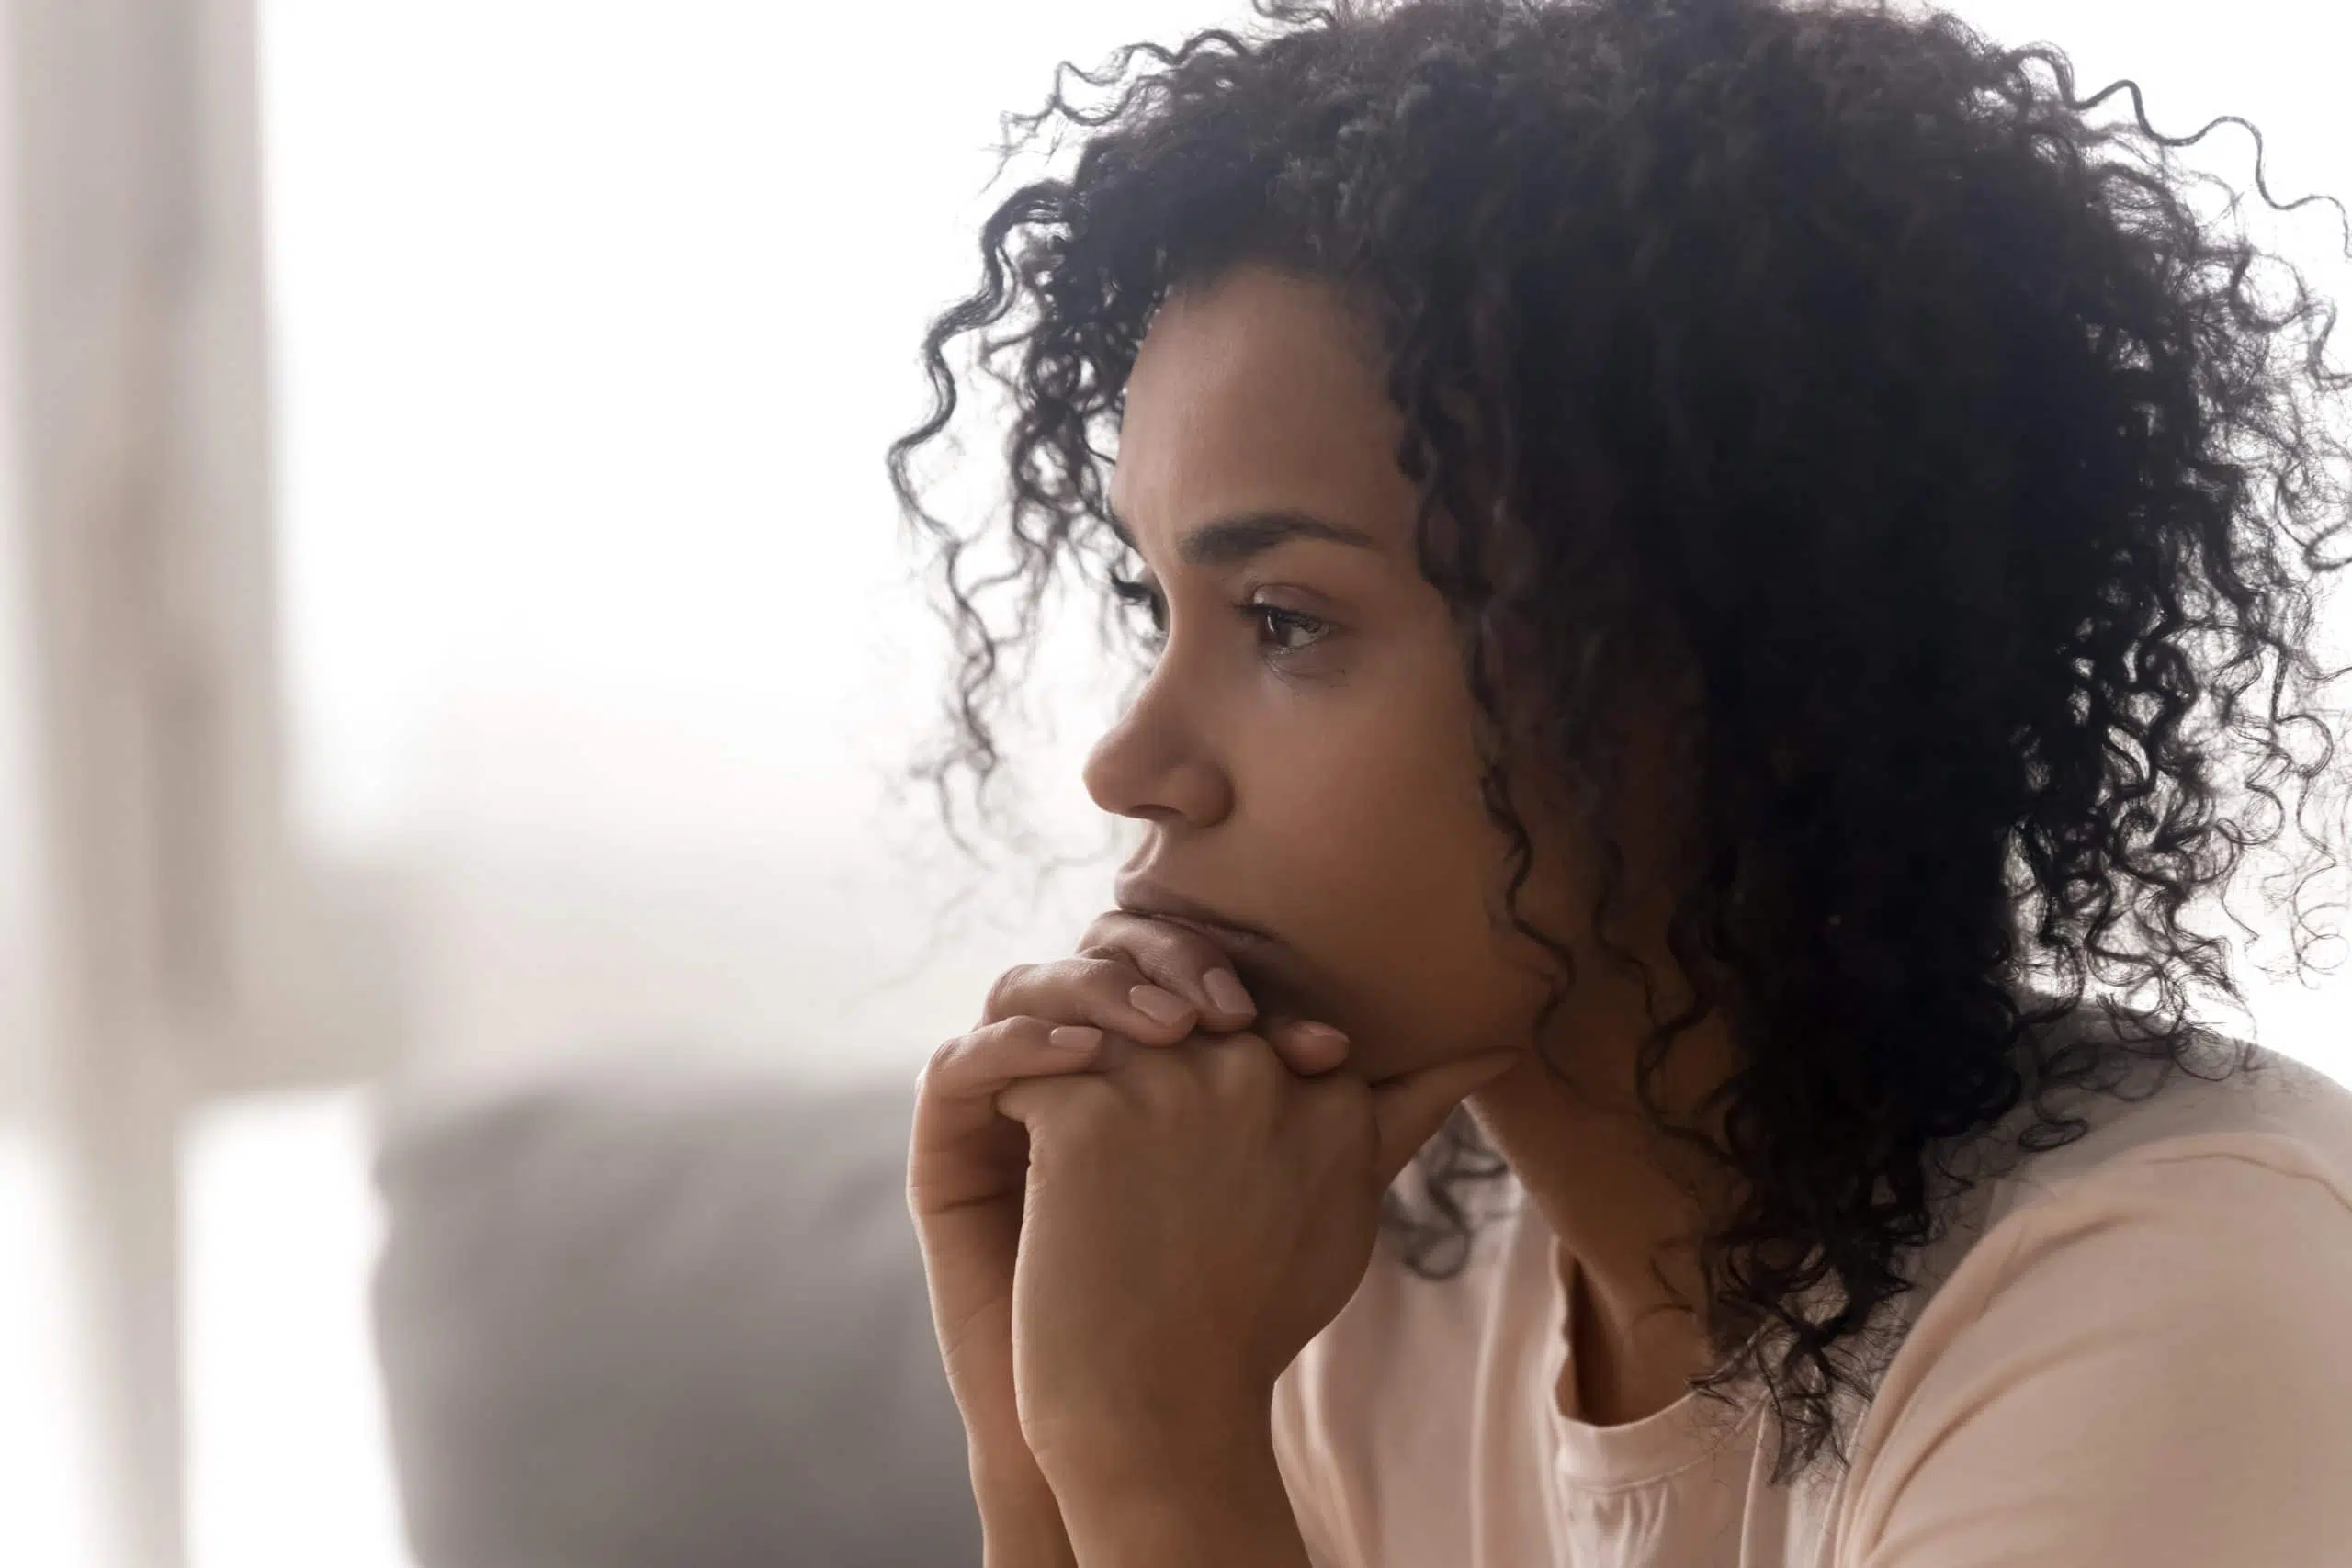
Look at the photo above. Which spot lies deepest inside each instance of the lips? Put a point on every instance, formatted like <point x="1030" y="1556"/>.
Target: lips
<point x="1235" y="941"/>
<point x="1256" y="955"/>
<point x="1139" y="895"/>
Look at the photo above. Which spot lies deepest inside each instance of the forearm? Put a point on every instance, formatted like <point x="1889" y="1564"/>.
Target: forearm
<point x="1231" y="1509"/>
<point x="1021" y="1524"/>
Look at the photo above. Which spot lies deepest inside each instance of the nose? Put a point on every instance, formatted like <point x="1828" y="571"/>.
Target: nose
<point x="1152" y="764"/>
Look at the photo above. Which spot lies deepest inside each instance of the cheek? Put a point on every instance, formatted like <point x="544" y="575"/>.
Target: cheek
<point x="1398" y="860"/>
<point x="1450" y="995"/>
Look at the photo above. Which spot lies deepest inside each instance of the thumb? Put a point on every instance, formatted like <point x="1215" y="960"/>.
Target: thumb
<point x="1409" y="1109"/>
<point x="1307" y="1048"/>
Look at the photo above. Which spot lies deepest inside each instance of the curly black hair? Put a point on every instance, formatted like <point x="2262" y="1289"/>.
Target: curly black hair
<point x="1838" y="359"/>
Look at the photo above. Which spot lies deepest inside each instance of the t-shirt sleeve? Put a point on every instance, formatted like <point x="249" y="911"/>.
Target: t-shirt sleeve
<point x="2151" y="1367"/>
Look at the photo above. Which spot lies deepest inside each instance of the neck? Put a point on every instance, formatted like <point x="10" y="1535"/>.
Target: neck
<point x="1625" y="1204"/>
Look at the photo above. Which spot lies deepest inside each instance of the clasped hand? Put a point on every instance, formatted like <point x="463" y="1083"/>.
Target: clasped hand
<point x="1192" y="1217"/>
<point x="1136" y="1201"/>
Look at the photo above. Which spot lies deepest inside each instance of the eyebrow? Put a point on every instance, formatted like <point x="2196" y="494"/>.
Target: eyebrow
<point x="1229" y="541"/>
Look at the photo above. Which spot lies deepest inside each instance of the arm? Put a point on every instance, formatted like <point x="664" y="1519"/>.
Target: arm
<point x="1021" y="1523"/>
<point x="1221" y="1502"/>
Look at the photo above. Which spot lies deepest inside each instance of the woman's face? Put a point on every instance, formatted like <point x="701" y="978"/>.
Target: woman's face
<point x="1303" y="751"/>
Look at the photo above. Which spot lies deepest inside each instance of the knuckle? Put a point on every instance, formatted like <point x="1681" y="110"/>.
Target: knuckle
<point x="955" y="1064"/>
<point x="1108" y="975"/>
<point x="1159" y="1079"/>
<point x="1066" y="989"/>
<point x="1337" y="1099"/>
<point x="1156" y="946"/>
<point x="1243" y="1059"/>
<point x="1117" y="930"/>
<point x="1003" y="994"/>
<point x="1089" y="1107"/>
<point x="943" y="1057"/>
<point x="1197" y="952"/>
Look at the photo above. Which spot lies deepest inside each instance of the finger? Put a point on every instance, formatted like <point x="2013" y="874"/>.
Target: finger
<point x="1178" y="958"/>
<point x="1107" y="991"/>
<point x="1240" y="1070"/>
<point x="1026" y="1100"/>
<point x="1410" y="1108"/>
<point x="1307" y="1048"/>
<point x="956" y="1113"/>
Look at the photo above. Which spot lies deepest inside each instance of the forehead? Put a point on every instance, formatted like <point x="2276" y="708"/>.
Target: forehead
<point x="1259" y="391"/>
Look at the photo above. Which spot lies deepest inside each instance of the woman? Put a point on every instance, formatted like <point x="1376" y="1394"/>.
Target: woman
<point x="1719" y="576"/>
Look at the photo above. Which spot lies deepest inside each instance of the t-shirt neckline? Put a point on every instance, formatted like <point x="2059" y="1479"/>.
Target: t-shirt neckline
<point x="1629" y="1453"/>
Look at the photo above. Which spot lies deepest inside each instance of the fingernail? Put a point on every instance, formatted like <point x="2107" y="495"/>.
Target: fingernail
<point x="1075" y="1037"/>
<point x="1225" y="989"/>
<point x="1322" y="1031"/>
<point x="1164" y="1007"/>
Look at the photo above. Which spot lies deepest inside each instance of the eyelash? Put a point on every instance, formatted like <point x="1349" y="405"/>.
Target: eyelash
<point x="1136" y="593"/>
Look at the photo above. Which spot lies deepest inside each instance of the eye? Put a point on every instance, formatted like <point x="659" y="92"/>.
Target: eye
<point x="1283" y="632"/>
<point x="1280" y="624"/>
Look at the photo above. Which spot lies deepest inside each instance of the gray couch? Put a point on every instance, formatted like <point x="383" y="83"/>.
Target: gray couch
<point x="663" y="1314"/>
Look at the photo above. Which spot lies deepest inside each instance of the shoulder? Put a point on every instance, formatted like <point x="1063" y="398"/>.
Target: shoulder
<point x="2222" y="1085"/>
<point x="2224" y="1099"/>
<point x="2140" y="1356"/>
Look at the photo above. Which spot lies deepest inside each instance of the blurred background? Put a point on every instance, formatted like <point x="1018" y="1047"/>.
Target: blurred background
<point x="455" y="637"/>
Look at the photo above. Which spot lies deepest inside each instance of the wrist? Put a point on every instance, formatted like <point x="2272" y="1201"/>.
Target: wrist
<point x="1146" y="1506"/>
<point x="1131" y="1436"/>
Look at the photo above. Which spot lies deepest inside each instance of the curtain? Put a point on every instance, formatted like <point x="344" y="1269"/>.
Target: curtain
<point x="151" y="923"/>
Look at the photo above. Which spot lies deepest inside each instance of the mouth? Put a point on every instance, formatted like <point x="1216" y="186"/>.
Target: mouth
<point x="1256" y="956"/>
<point x="1137" y="895"/>
<point x="1238" y="942"/>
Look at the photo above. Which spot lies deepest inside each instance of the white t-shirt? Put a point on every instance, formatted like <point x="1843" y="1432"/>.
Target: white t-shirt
<point x="2133" y="1351"/>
